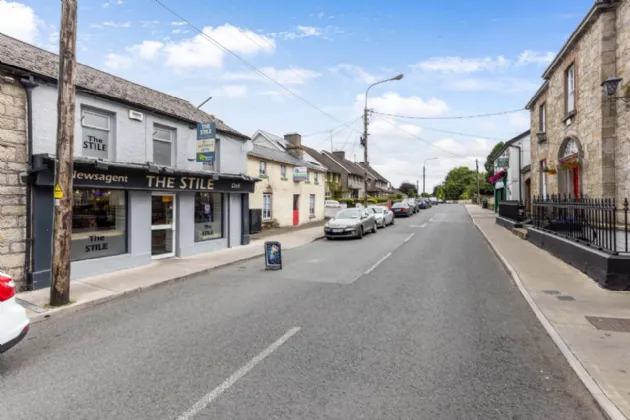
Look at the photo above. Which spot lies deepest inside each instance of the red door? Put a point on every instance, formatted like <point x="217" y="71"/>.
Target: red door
<point x="296" y="209"/>
<point x="576" y="183"/>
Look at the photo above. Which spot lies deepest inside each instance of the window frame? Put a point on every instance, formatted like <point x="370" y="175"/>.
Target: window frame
<point x="223" y="200"/>
<point x="99" y="113"/>
<point x="173" y="133"/>
<point x="543" y="178"/>
<point x="283" y="171"/>
<point x="267" y="197"/>
<point x="311" y="209"/>
<point x="316" y="178"/>
<point x="262" y="167"/>
<point x="542" y="117"/>
<point x="570" y="89"/>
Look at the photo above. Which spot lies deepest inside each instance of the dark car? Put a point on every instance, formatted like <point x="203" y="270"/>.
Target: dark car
<point x="402" y="209"/>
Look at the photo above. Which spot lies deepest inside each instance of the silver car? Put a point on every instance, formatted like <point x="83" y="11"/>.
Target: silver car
<point x="350" y="223"/>
<point x="384" y="216"/>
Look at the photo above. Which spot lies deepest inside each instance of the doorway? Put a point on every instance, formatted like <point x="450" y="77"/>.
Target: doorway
<point x="163" y="225"/>
<point x="296" y="209"/>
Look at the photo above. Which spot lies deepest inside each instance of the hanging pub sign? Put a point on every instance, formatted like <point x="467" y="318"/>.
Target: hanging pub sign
<point x="503" y="163"/>
<point x="300" y="173"/>
<point x="273" y="255"/>
<point x="206" y="142"/>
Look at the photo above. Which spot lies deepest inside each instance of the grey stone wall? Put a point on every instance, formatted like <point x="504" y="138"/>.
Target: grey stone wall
<point x="13" y="164"/>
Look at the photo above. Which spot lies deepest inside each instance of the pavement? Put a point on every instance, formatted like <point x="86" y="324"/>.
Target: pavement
<point x="287" y="229"/>
<point x="565" y="297"/>
<point x="418" y="321"/>
<point x="99" y="289"/>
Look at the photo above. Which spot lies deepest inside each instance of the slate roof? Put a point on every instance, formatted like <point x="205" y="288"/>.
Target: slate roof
<point x="374" y="172"/>
<point x="330" y="164"/>
<point x="283" y="157"/>
<point x="26" y="57"/>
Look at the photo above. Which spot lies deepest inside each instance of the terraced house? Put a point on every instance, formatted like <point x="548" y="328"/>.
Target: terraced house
<point x="580" y="116"/>
<point x="293" y="187"/>
<point x="349" y="182"/>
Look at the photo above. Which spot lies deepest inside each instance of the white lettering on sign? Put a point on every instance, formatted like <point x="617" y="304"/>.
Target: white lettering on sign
<point x="108" y="179"/>
<point x="236" y="185"/>
<point x="185" y="182"/>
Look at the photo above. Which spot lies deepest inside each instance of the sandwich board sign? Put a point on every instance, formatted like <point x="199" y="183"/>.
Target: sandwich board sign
<point x="273" y="255"/>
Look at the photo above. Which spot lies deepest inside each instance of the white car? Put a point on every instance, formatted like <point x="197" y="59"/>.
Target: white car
<point x="332" y="203"/>
<point x="384" y="217"/>
<point x="13" y="320"/>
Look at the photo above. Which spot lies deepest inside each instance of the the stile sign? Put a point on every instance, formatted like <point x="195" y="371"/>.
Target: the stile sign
<point x="206" y="140"/>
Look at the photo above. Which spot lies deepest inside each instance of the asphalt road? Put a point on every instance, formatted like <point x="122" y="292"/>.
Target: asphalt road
<point x="418" y="321"/>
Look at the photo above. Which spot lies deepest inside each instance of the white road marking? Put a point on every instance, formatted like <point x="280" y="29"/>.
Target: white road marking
<point x="423" y="225"/>
<point x="369" y="270"/>
<point x="227" y="384"/>
<point x="432" y="219"/>
<point x="409" y="237"/>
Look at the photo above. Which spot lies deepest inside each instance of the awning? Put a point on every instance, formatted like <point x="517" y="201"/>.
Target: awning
<point x="94" y="173"/>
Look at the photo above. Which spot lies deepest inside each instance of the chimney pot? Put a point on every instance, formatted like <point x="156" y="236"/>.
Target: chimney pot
<point x="295" y="145"/>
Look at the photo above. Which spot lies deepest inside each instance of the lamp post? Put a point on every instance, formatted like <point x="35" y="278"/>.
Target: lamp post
<point x="424" y="172"/>
<point x="364" y="140"/>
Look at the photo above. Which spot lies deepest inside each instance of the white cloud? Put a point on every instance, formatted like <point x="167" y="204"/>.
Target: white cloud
<point x="289" y="76"/>
<point x="19" y="21"/>
<point x="147" y="50"/>
<point x="393" y="103"/>
<point x="111" y="2"/>
<point x="177" y="31"/>
<point x="356" y="72"/>
<point x="462" y="65"/>
<point x="533" y="57"/>
<point x="181" y="23"/>
<point x="302" y="31"/>
<point x="231" y="91"/>
<point x="199" y="51"/>
<point x="111" y="24"/>
<point x="117" y="61"/>
<point x="149" y="23"/>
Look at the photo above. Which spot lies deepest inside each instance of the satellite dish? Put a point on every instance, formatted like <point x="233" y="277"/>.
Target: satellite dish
<point x="248" y="146"/>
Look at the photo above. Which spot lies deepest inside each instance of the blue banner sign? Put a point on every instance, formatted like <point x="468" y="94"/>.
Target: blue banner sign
<point x="206" y="140"/>
<point x="273" y="255"/>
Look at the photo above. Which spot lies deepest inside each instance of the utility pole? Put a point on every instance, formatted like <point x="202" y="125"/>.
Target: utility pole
<point x="424" y="171"/>
<point x="418" y="186"/>
<point x="478" y="195"/>
<point x="332" y="149"/>
<point x="62" y="226"/>
<point x="365" y="153"/>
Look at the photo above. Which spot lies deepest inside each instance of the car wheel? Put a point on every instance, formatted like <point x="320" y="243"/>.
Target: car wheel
<point x="393" y="220"/>
<point x="375" y="228"/>
<point x="360" y="233"/>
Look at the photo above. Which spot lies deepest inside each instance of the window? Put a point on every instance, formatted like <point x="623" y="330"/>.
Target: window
<point x="163" y="145"/>
<point x="543" y="178"/>
<point x="95" y="134"/>
<point x="262" y="167"/>
<point x="316" y="178"/>
<point x="99" y="223"/>
<point x="283" y="171"/>
<point x="570" y="88"/>
<point x="543" y="118"/>
<point x="208" y="216"/>
<point x="266" y="213"/>
<point x="311" y="206"/>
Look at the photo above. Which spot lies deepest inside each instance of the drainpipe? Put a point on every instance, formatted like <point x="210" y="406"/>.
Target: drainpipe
<point x="29" y="84"/>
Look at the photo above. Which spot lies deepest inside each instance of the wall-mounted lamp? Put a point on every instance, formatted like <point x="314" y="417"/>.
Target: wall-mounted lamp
<point x="611" y="85"/>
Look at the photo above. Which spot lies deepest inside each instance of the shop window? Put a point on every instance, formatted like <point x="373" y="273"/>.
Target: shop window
<point x="266" y="212"/>
<point x="208" y="216"/>
<point x="95" y="134"/>
<point x="163" y="139"/>
<point x="311" y="206"/>
<point x="99" y="223"/>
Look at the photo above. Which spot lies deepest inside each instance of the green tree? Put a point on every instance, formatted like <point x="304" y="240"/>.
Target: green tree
<point x="408" y="188"/>
<point x="458" y="181"/>
<point x="489" y="165"/>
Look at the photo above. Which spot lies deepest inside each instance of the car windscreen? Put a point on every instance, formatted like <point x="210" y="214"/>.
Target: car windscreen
<point x="348" y="214"/>
<point x="379" y="210"/>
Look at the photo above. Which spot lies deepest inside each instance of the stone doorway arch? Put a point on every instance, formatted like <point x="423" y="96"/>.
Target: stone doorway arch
<point x="570" y="158"/>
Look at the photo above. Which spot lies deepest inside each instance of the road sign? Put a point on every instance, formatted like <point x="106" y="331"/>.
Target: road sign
<point x="273" y="255"/>
<point x="58" y="192"/>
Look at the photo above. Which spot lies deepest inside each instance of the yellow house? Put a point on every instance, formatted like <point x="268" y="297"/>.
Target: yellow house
<point x="293" y="187"/>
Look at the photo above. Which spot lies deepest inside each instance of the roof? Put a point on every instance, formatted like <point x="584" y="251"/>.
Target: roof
<point x="332" y="165"/>
<point x="351" y="167"/>
<point x="539" y="92"/>
<point x="374" y="172"/>
<point x="28" y="58"/>
<point x="268" y="153"/>
<point x="510" y="142"/>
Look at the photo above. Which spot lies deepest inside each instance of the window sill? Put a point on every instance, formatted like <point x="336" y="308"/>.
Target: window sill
<point x="317" y="183"/>
<point x="208" y="240"/>
<point x="284" y="178"/>
<point x="570" y="114"/>
<point x="267" y="221"/>
<point x="311" y="217"/>
<point x="306" y="182"/>
<point x="542" y="137"/>
<point x="263" y="176"/>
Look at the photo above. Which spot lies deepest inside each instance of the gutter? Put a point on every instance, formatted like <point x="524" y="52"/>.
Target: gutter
<point x="29" y="84"/>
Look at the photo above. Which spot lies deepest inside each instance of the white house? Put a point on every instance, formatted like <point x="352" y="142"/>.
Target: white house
<point x="511" y="167"/>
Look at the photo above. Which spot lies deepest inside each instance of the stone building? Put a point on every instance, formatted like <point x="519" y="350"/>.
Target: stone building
<point x="12" y="168"/>
<point x="580" y="136"/>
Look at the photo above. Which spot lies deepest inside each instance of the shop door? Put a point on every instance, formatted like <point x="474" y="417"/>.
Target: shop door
<point x="576" y="182"/>
<point x="163" y="225"/>
<point x="296" y="209"/>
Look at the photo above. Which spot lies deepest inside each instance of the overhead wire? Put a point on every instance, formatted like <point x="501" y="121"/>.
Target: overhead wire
<point x="460" y="117"/>
<point x="248" y="64"/>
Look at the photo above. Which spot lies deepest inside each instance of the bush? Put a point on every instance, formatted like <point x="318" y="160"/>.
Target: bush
<point x="348" y="201"/>
<point x="372" y="200"/>
<point x="381" y="200"/>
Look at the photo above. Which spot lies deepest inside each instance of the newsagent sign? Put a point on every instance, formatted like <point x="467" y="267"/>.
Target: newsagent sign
<point x="138" y="180"/>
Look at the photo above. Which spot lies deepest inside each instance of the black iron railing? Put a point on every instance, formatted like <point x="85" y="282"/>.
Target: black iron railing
<point x="596" y="222"/>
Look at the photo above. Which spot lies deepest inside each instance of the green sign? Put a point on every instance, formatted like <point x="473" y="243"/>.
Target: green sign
<point x="503" y="163"/>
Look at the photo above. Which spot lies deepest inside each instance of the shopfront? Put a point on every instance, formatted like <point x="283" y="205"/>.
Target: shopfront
<point x="127" y="215"/>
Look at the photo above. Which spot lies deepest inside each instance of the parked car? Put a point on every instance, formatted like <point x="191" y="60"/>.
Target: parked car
<point x="422" y="204"/>
<point x="350" y="223"/>
<point x="332" y="204"/>
<point x="14" y="323"/>
<point x="384" y="217"/>
<point x="412" y="204"/>
<point x="402" y="209"/>
<point x="434" y="201"/>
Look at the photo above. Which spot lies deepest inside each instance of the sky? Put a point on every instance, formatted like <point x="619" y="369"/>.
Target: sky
<point x="459" y="58"/>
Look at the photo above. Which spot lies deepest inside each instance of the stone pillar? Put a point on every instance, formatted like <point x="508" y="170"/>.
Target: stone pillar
<point x="13" y="164"/>
<point x="608" y="107"/>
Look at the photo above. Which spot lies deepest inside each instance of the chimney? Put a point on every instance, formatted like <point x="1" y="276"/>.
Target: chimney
<point x="295" y="145"/>
<point x="341" y="155"/>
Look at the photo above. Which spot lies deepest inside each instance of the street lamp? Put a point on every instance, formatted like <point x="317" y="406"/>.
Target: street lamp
<point x="364" y="140"/>
<point x="424" y="172"/>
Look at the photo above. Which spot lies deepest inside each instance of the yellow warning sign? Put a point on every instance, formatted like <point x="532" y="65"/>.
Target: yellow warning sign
<point x="58" y="192"/>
